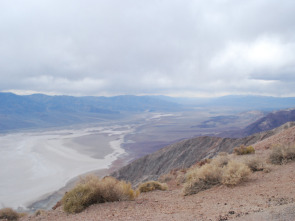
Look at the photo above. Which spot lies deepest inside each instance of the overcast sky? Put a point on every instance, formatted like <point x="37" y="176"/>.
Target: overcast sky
<point x="170" y="47"/>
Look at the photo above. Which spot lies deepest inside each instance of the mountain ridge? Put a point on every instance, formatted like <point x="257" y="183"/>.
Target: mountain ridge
<point x="186" y="153"/>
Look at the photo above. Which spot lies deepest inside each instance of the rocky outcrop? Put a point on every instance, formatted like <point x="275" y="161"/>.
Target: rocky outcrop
<point x="184" y="154"/>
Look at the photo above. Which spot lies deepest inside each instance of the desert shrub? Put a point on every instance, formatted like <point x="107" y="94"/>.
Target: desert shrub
<point x="8" y="214"/>
<point x="255" y="164"/>
<point x="242" y="150"/>
<point x="276" y="155"/>
<point x="166" y="178"/>
<point x="92" y="190"/>
<point x="180" y="179"/>
<point x="221" y="160"/>
<point x="151" y="186"/>
<point x="39" y="212"/>
<point x="203" y="162"/>
<point x="282" y="154"/>
<point x="235" y="173"/>
<point x="202" y="178"/>
<point x="289" y="152"/>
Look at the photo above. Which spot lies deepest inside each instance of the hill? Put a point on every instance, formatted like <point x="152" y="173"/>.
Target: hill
<point x="186" y="153"/>
<point x="268" y="122"/>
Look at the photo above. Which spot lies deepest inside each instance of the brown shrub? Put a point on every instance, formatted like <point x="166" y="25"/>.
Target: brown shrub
<point x="221" y="170"/>
<point x="221" y="160"/>
<point x="235" y="173"/>
<point x="202" y="178"/>
<point x="39" y="212"/>
<point x="289" y="153"/>
<point x="166" y="178"/>
<point x="8" y="214"/>
<point x="242" y="150"/>
<point x="255" y="164"/>
<point x="91" y="190"/>
<point x="151" y="186"/>
<point x="203" y="162"/>
<point x="282" y="154"/>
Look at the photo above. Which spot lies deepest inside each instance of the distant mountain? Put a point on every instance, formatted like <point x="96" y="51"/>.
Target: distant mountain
<point x="39" y="110"/>
<point x="186" y="153"/>
<point x="268" y="122"/>
<point x="238" y="102"/>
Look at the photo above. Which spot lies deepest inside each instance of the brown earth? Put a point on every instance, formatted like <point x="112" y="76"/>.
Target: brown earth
<point x="265" y="196"/>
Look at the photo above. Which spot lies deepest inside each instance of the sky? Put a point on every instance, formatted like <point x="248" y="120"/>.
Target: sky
<point x="189" y="48"/>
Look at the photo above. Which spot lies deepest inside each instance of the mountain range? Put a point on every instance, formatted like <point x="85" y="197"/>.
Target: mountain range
<point x="39" y="110"/>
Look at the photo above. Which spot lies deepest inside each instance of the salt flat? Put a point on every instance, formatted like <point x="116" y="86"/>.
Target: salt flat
<point x="36" y="163"/>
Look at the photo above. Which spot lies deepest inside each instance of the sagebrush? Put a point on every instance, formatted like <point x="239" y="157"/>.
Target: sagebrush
<point x="282" y="154"/>
<point x="91" y="190"/>
<point x="234" y="173"/>
<point x="151" y="186"/>
<point x="199" y="179"/>
<point x="242" y="150"/>
<point x="220" y="170"/>
<point x="255" y="164"/>
<point x="8" y="214"/>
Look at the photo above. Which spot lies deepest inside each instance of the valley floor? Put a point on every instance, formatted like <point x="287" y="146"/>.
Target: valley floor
<point x="265" y="196"/>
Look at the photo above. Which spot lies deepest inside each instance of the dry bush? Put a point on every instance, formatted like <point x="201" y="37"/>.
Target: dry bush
<point x="235" y="173"/>
<point x="276" y="155"/>
<point x="203" y="162"/>
<point x="221" y="160"/>
<point x="180" y="179"/>
<point x="40" y="212"/>
<point x="290" y="153"/>
<point x="175" y="176"/>
<point x="282" y="154"/>
<point x="202" y="178"/>
<point x="8" y="214"/>
<point x="92" y="190"/>
<point x="151" y="186"/>
<point x="242" y="150"/>
<point x="221" y="170"/>
<point x="255" y="164"/>
<point x="166" y="178"/>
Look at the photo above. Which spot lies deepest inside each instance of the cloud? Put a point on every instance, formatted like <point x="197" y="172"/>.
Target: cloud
<point x="173" y="47"/>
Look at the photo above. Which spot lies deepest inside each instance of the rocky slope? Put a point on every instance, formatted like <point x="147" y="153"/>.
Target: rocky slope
<point x="186" y="153"/>
<point x="268" y="122"/>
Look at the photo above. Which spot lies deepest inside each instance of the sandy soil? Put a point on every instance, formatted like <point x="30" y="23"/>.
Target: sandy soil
<point x="265" y="196"/>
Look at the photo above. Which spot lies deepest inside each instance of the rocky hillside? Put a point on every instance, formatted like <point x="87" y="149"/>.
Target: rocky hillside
<point x="186" y="153"/>
<point x="268" y="122"/>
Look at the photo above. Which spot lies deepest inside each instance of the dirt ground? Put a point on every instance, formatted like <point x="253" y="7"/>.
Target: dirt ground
<point x="265" y="196"/>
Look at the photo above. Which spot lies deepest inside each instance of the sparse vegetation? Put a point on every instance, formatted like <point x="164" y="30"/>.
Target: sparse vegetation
<point x="221" y="170"/>
<point x="176" y="176"/>
<point x="221" y="160"/>
<point x="235" y="172"/>
<point x="8" y="214"/>
<point x="203" y="162"/>
<point x="242" y="150"/>
<point x="151" y="186"/>
<point x="255" y="164"/>
<point x="282" y="154"/>
<point x="199" y="179"/>
<point x="91" y="190"/>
